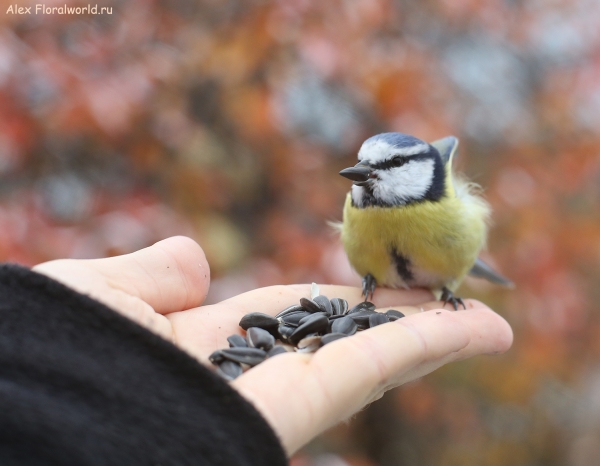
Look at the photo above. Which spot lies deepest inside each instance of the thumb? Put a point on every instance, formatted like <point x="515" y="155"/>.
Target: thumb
<point x="171" y="275"/>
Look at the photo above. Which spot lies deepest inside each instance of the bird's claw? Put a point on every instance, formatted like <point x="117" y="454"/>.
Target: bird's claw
<point x="368" y="286"/>
<point x="448" y="297"/>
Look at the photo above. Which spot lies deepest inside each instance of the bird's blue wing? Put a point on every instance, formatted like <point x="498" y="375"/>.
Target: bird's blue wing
<point x="482" y="270"/>
<point x="446" y="147"/>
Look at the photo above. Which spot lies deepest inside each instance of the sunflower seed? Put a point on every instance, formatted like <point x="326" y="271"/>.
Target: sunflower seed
<point x="315" y="323"/>
<point x="339" y="306"/>
<point x="309" y="305"/>
<point x="309" y="344"/>
<point x="258" y="319"/>
<point x="285" y="332"/>
<point x="302" y="325"/>
<point x="377" y="319"/>
<point x="237" y="341"/>
<point x="259" y="338"/>
<point x="216" y="357"/>
<point x="314" y="290"/>
<point x="324" y="304"/>
<point x="332" y="337"/>
<point x="361" y="318"/>
<point x="277" y="349"/>
<point x="394" y="315"/>
<point x="346" y="325"/>
<point x="361" y="306"/>
<point x="250" y="356"/>
<point x="289" y="310"/>
<point x="309" y="316"/>
<point x="229" y="370"/>
<point x="294" y="318"/>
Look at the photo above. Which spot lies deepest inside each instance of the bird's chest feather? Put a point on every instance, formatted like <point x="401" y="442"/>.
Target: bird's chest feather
<point x="423" y="244"/>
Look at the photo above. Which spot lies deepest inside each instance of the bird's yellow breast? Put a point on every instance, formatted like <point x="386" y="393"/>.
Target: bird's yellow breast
<point x="440" y="239"/>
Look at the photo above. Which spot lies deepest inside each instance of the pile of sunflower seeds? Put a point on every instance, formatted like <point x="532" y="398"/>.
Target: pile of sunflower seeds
<point x="304" y="328"/>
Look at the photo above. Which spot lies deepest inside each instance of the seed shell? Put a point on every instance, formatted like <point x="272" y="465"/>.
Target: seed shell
<point x="345" y="325"/>
<point x="377" y="319"/>
<point x="229" y="370"/>
<point x="339" y="306"/>
<point x="393" y="315"/>
<point x="289" y="310"/>
<point x="237" y="341"/>
<point x="294" y="318"/>
<point x="362" y="318"/>
<point x="324" y="304"/>
<point x="309" y="344"/>
<point x="250" y="356"/>
<point x="325" y="339"/>
<point x="285" y="332"/>
<point x="362" y="306"/>
<point x="277" y="349"/>
<point x="259" y="338"/>
<point x="316" y="323"/>
<point x="216" y="357"/>
<point x="314" y="290"/>
<point x="258" y="319"/>
<point x="309" y="305"/>
<point x="310" y="316"/>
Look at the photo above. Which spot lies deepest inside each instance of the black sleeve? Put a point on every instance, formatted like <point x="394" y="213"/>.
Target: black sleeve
<point x="82" y="385"/>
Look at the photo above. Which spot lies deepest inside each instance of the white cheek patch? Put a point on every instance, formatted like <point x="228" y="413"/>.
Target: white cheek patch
<point x="357" y="195"/>
<point x="400" y="184"/>
<point x="379" y="151"/>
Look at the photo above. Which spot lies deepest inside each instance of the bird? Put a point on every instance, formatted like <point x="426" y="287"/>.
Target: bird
<point x="409" y="221"/>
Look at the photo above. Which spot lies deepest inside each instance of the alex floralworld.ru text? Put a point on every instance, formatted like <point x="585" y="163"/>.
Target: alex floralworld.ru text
<point x="41" y="9"/>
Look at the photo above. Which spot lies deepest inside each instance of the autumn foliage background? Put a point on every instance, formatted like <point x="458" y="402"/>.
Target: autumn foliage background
<point x="228" y="121"/>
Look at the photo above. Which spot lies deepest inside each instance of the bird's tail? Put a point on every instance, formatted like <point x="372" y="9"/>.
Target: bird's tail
<point x="482" y="270"/>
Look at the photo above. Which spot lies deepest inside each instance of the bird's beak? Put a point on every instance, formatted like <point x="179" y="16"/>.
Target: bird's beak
<point x="359" y="173"/>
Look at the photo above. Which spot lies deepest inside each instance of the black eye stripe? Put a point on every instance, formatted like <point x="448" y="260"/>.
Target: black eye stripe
<point x="386" y="164"/>
<point x="399" y="160"/>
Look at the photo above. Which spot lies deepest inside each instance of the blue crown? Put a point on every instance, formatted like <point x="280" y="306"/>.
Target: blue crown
<point x="399" y="140"/>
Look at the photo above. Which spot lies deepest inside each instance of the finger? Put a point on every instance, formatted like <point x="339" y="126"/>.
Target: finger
<point x="201" y="331"/>
<point x="495" y="340"/>
<point x="273" y="299"/>
<point x="301" y="396"/>
<point x="135" y="309"/>
<point x="171" y="275"/>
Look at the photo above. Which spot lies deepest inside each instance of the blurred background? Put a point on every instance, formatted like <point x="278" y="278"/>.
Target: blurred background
<point x="228" y="121"/>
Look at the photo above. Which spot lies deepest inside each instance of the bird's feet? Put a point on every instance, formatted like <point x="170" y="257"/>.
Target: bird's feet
<point x="448" y="297"/>
<point x="368" y="286"/>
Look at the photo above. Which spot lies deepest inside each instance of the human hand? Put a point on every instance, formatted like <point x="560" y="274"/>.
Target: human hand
<point x="300" y="395"/>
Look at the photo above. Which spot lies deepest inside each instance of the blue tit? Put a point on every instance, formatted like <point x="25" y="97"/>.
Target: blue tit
<point x="410" y="222"/>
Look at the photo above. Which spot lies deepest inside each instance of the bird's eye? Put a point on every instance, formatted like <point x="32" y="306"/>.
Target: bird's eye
<point x="398" y="161"/>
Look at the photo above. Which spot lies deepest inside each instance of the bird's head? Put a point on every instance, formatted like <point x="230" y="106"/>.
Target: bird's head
<point x="396" y="169"/>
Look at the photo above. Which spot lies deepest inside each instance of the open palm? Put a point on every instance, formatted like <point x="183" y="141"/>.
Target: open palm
<point x="163" y="287"/>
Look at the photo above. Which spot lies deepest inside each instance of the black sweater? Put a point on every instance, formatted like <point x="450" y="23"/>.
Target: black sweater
<point x="82" y="385"/>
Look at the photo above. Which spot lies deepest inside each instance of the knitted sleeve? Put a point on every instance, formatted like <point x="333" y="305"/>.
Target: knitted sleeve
<point x="82" y="385"/>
